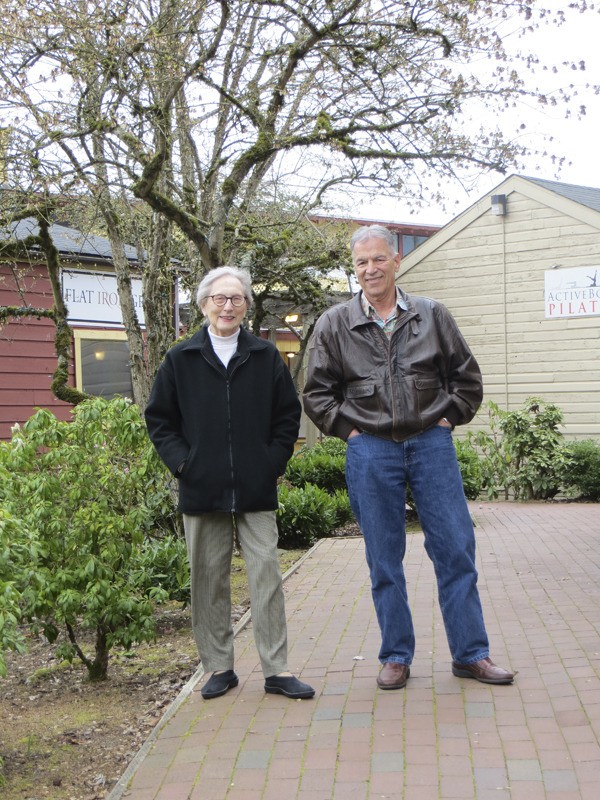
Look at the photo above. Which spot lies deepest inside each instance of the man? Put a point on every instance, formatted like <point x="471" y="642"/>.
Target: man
<point x="392" y="375"/>
<point x="224" y="416"/>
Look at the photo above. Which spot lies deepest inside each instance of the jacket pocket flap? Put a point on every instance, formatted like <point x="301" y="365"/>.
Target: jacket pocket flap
<point x="428" y="383"/>
<point x="360" y="390"/>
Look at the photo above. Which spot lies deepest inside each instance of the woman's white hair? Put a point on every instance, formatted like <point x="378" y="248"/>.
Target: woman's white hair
<point x="206" y="284"/>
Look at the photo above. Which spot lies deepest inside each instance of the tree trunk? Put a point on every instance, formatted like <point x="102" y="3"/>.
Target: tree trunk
<point x="63" y="337"/>
<point x="98" y="668"/>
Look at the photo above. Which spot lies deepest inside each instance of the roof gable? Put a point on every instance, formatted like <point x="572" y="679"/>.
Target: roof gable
<point x="580" y="202"/>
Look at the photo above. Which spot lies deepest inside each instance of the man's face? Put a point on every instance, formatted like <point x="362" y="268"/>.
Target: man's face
<point x="376" y="266"/>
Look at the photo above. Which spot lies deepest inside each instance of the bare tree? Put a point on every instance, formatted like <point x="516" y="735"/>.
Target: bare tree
<point x="200" y="110"/>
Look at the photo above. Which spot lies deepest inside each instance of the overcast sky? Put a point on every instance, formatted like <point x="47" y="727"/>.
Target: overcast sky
<point x="578" y="140"/>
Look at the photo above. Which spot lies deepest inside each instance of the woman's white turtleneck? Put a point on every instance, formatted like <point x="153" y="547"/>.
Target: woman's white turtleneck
<point x="224" y="346"/>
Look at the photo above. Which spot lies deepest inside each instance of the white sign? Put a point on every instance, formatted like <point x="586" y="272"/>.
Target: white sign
<point x="92" y="298"/>
<point x="572" y="292"/>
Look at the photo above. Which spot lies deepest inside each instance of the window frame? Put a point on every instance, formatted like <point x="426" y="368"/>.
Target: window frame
<point x="97" y="335"/>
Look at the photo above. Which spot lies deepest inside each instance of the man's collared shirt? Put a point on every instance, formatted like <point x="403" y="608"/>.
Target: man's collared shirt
<point x="388" y="324"/>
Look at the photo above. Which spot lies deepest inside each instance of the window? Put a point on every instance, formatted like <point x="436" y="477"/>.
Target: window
<point x="102" y="363"/>
<point x="410" y="242"/>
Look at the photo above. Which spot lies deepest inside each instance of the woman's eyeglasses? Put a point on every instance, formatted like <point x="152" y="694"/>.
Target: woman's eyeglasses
<point x="237" y="300"/>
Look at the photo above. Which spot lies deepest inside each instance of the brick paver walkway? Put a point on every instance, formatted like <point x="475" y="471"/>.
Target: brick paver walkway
<point x="441" y="737"/>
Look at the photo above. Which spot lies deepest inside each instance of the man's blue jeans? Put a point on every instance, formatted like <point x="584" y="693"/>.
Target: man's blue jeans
<point x="377" y="473"/>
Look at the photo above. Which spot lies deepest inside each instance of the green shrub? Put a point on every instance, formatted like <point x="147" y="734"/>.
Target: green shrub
<point x="583" y="473"/>
<point x="494" y="458"/>
<point x="323" y="465"/>
<point x="342" y="508"/>
<point x="19" y="556"/>
<point x="319" y="472"/>
<point x="536" y="449"/>
<point x="164" y="562"/>
<point x="304" y="515"/>
<point x="470" y="468"/>
<point x="332" y="446"/>
<point x="85" y="494"/>
<point x="523" y="454"/>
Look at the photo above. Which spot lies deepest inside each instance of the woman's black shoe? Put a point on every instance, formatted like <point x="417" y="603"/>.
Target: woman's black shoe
<point x="219" y="683"/>
<point x="289" y="686"/>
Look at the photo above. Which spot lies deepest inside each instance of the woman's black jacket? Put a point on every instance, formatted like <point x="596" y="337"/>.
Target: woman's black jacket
<point x="233" y="429"/>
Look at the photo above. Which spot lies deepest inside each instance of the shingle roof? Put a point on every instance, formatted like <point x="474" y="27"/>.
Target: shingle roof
<point x="584" y="195"/>
<point x="68" y="241"/>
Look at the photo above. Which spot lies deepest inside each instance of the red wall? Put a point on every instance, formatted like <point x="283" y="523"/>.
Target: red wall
<point x="27" y="354"/>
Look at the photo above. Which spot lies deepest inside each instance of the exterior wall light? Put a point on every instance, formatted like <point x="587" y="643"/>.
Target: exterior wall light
<point x="499" y="204"/>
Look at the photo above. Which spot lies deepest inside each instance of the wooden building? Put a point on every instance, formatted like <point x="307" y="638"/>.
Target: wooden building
<point x="520" y="271"/>
<point x="99" y="362"/>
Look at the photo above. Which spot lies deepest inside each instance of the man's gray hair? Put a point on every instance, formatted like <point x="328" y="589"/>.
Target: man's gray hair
<point x="206" y="284"/>
<point x="374" y="232"/>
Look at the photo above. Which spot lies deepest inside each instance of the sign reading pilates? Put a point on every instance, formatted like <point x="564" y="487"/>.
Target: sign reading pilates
<point x="572" y="292"/>
<point x="92" y="298"/>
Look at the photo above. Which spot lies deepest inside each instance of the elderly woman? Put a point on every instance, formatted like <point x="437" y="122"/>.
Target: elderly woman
<point x="224" y="416"/>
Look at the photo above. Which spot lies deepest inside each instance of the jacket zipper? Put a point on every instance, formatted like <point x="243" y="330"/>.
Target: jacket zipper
<point x="393" y="378"/>
<point x="230" y="445"/>
<point x="228" y="378"/>
<point x="392" y="381"/>
<point x="236" y="366"/>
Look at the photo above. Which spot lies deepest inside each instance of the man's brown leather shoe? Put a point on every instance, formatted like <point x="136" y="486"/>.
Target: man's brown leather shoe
<point x="484" y="671"/>
<point x="393" y="676"/>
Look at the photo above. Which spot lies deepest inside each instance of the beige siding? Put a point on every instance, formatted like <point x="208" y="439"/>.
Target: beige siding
<point x="490" y="273"/>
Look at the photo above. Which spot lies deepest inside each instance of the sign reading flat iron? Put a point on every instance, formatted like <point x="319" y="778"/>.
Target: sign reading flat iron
<point x="573" y="292"/>
<point x="92" y="298"/>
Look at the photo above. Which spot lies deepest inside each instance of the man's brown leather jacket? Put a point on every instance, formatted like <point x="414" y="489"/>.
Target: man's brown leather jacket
<point x="392" y="387"/>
